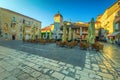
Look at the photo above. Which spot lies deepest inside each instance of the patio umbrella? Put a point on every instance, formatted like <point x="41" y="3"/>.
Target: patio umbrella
<point x="70" y="32"/>
<point x="56" y="37"/>
<point x="39" y="33"/>
<point x="80" y="32"/>
<point x="64" y="33"/>
<point x="91" y="32"/>
<point x="74" y="36"/>
<point x="50" y="34"/>
<point x="46" y="35"/>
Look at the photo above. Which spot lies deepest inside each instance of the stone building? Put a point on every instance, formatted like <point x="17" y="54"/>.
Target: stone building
<point x="47" y="30"/>
<point x="106" y="20"/>
<point x="54" y="27"/>
<point x="79" y="29"/>
<point x="116" y="33"/>
<point x="117" y="20"/>
<point x="12" y="25"/>
<point x="58" y="22"/>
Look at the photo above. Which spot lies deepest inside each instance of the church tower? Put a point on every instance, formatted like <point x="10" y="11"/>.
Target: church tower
<point x="58" y="22"/>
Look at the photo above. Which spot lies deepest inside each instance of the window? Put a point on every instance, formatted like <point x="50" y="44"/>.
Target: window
<point x="6" y="27"/>
<point x="6" y="24"/>
<point x="20" y="28"/>
<point x="6" y="36"/>
<point x="29" y="23"/>
<point x="11" y="25"/>
<point x="116" y="26"/>
<point x="20" y="36"/>
<point x="36" y="25"/>
<point x="13" y="19"/>
<point x="23" y="21"/>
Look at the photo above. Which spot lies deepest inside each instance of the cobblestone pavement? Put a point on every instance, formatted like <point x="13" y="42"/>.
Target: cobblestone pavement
<point x="19" y="65"/>
<point x="73" y="56"/>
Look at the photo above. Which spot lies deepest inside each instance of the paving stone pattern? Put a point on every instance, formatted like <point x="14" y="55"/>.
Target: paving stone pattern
<point x="18" y="65"/>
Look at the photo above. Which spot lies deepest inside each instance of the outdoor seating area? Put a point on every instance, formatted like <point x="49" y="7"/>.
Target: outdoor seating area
<point x="67" y="44"/>
<point x="97" y="46"/>
<point x="42" y="41"/>
<point x="70" y="44"/>
<point x="83" y="45"/>
<point x="70" y="41"/>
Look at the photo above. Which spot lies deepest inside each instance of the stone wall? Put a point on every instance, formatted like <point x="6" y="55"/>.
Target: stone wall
<point x="12" y="24"/>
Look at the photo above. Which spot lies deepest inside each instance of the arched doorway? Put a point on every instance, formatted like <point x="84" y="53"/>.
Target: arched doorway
<point x="13" y="37"/>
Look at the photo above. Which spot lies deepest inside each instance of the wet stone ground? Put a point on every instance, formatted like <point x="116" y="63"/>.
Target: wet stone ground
<point x="16" y="64"/>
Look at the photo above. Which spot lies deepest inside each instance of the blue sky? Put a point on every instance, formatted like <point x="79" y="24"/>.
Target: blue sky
<point x="44" y="10"/>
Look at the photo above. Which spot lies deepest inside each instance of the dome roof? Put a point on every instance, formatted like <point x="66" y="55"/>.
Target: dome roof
<point x="58" y="15"/>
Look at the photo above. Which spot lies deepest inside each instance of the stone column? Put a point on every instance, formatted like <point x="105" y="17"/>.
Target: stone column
<point x="39" y="33"/>
<point x="50" y="35"/>
<point x="80" y="32"/>
<point x="74" y="36"/>
<point x="64" y="33"/>
<point x="69" y="34"/>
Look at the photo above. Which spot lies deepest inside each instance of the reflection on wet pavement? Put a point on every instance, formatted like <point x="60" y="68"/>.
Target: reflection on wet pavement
<point x="93" y="65"/>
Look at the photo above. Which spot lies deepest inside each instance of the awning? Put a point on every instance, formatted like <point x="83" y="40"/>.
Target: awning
<point x="113" y="34"/>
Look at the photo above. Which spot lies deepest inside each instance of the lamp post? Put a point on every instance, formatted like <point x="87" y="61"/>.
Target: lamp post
<point x="64" y="33"/>
<point x="50" y="35"/>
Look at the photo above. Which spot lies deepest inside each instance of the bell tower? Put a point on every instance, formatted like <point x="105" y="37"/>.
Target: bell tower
<point x="58" y="22"/>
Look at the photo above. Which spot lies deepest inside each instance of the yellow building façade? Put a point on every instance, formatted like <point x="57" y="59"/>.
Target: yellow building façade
<point x="106" y="20"/>
<point x="13" y="23"/>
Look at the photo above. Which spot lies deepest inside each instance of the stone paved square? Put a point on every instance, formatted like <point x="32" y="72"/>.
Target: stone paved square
<point x="97" y="66"/>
